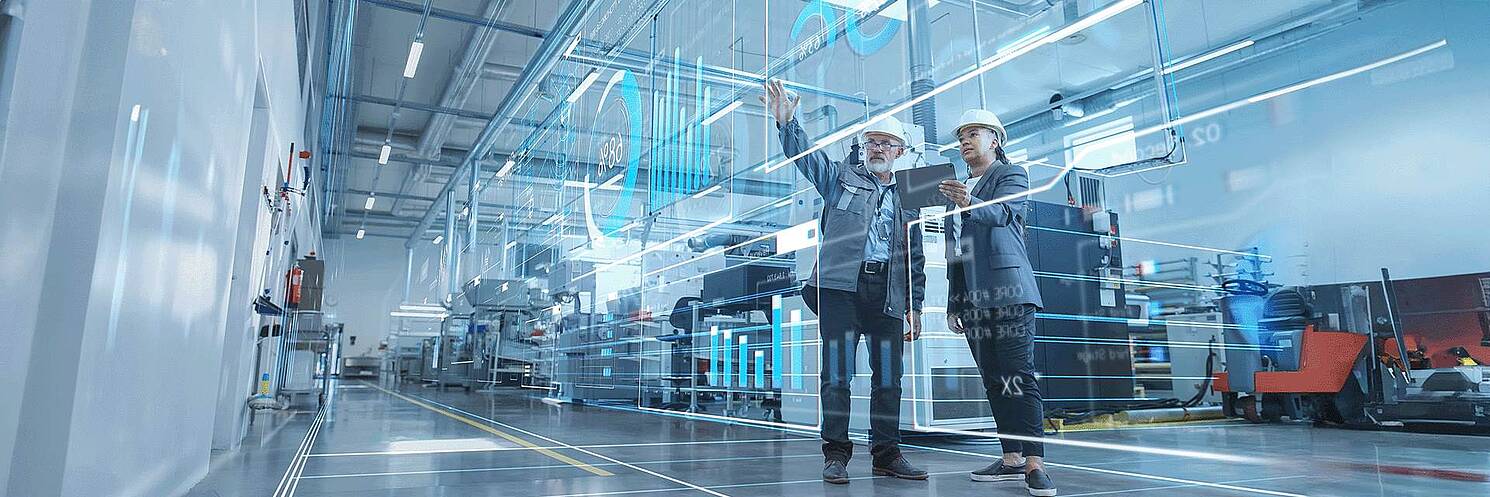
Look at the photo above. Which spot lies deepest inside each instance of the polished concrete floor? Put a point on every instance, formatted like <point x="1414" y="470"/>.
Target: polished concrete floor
<point x="416" y="441"/>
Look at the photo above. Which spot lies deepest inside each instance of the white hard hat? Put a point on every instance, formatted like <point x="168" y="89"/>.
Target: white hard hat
<point x="888" y="126"/>
<point x="980" y="117"/>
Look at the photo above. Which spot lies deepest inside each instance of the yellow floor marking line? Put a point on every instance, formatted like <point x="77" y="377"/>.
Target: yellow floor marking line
<point x="507" y="436"/>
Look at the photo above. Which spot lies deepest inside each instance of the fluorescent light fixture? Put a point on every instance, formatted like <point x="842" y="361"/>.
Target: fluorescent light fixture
<point x="465" y="211"/>
<point x="415" y="50"/>
<point x="783" y="203"/>
<point x="421" y="308"/>
<point x="573" y="45"/>
<point x="401" y="314"/>
<point x="134" y="113"/>
<point x="361" y="232"/>
<point x="369" y="204"/>
<point x="726" y="110"/>
<point x="510" y="245"/>
<point x="1208" y="56"/>
<point x="438" y="239"/>
<point x="579" y="91"/>
<point x="384" y="153"/>
<point x="998" y="59"/>
<point x="506" y="168"/>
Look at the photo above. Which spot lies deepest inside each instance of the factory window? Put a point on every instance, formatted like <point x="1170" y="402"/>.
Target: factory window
<point x="1019" y="156"/>
<point x="1103" y="145"/>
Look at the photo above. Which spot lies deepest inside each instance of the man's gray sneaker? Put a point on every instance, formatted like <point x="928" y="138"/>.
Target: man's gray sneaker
<point x="835" y="471"/>
<point x="899" y="468"/>
<point x="998" y="471"/>
<point x="1039" y="484"/>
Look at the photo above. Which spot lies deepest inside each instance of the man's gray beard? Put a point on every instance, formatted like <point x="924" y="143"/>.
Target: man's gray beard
<point x="879" y="166"/>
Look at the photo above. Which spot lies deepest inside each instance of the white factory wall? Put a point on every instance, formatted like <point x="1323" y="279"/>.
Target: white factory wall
<point x="35" y="112"/>
<point x="365" y="281"/>
<point x="1386" y="168"/>
<point x="124" y="162"/>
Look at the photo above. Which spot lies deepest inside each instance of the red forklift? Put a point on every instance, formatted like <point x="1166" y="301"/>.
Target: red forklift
<point x="1339" y="355"/>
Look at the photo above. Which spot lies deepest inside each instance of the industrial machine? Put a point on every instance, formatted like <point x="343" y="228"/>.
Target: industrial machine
<point x="1361" y="354"/>
<point x="505" y="349"/>
<point x="360" y="367"/>
<point x="1194" y="345"/>
<point x="1081" y="345"/>
<point x="406" y="360"/>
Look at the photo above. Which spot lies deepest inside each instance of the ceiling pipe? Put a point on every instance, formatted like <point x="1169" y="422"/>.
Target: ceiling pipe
<point x="496" y="70"/>
<point x="922" y="81"/>
<point x="458" y="87"/>
<point x="547" y="56"/>
<point x="462" y="80"/>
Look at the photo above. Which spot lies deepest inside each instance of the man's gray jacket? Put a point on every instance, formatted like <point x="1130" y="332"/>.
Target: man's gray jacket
<point x="851" y="199"/>
<point x="994" y="269"/>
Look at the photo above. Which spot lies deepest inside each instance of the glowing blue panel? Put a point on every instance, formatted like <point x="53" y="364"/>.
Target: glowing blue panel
<point x="796" y="334"/>
<point x="776" y="339"/>
<point x="744" y="361"/>
<point x="725" y="354"/>
<point x="760" y="369"/>
<point x="714" y="363"/>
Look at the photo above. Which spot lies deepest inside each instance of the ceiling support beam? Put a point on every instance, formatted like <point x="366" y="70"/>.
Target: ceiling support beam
<point x="453" y="16"/>
<point x="434" y="109"/>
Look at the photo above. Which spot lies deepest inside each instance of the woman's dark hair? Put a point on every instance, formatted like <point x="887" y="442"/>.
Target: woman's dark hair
<point x="998" y="153"/>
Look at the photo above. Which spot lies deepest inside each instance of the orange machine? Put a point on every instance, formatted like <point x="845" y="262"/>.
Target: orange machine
<point x="1326" y="361"/>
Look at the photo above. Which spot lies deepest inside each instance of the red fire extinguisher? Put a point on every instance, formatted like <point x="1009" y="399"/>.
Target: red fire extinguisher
<point x="293" y="290"/>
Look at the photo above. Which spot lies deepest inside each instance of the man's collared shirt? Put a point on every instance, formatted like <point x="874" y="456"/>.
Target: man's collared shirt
<point x="877" y="244"/>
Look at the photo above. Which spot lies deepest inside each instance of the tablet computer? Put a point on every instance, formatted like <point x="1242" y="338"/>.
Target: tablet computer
<point x="917" y="187"/>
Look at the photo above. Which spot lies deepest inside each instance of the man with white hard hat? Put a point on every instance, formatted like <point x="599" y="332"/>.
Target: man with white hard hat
<point x="992" y="296"/>
<point x="859" y="285"/>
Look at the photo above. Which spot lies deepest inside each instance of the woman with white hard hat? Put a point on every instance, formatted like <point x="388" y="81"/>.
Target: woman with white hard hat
<point x="992" y="296"/>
